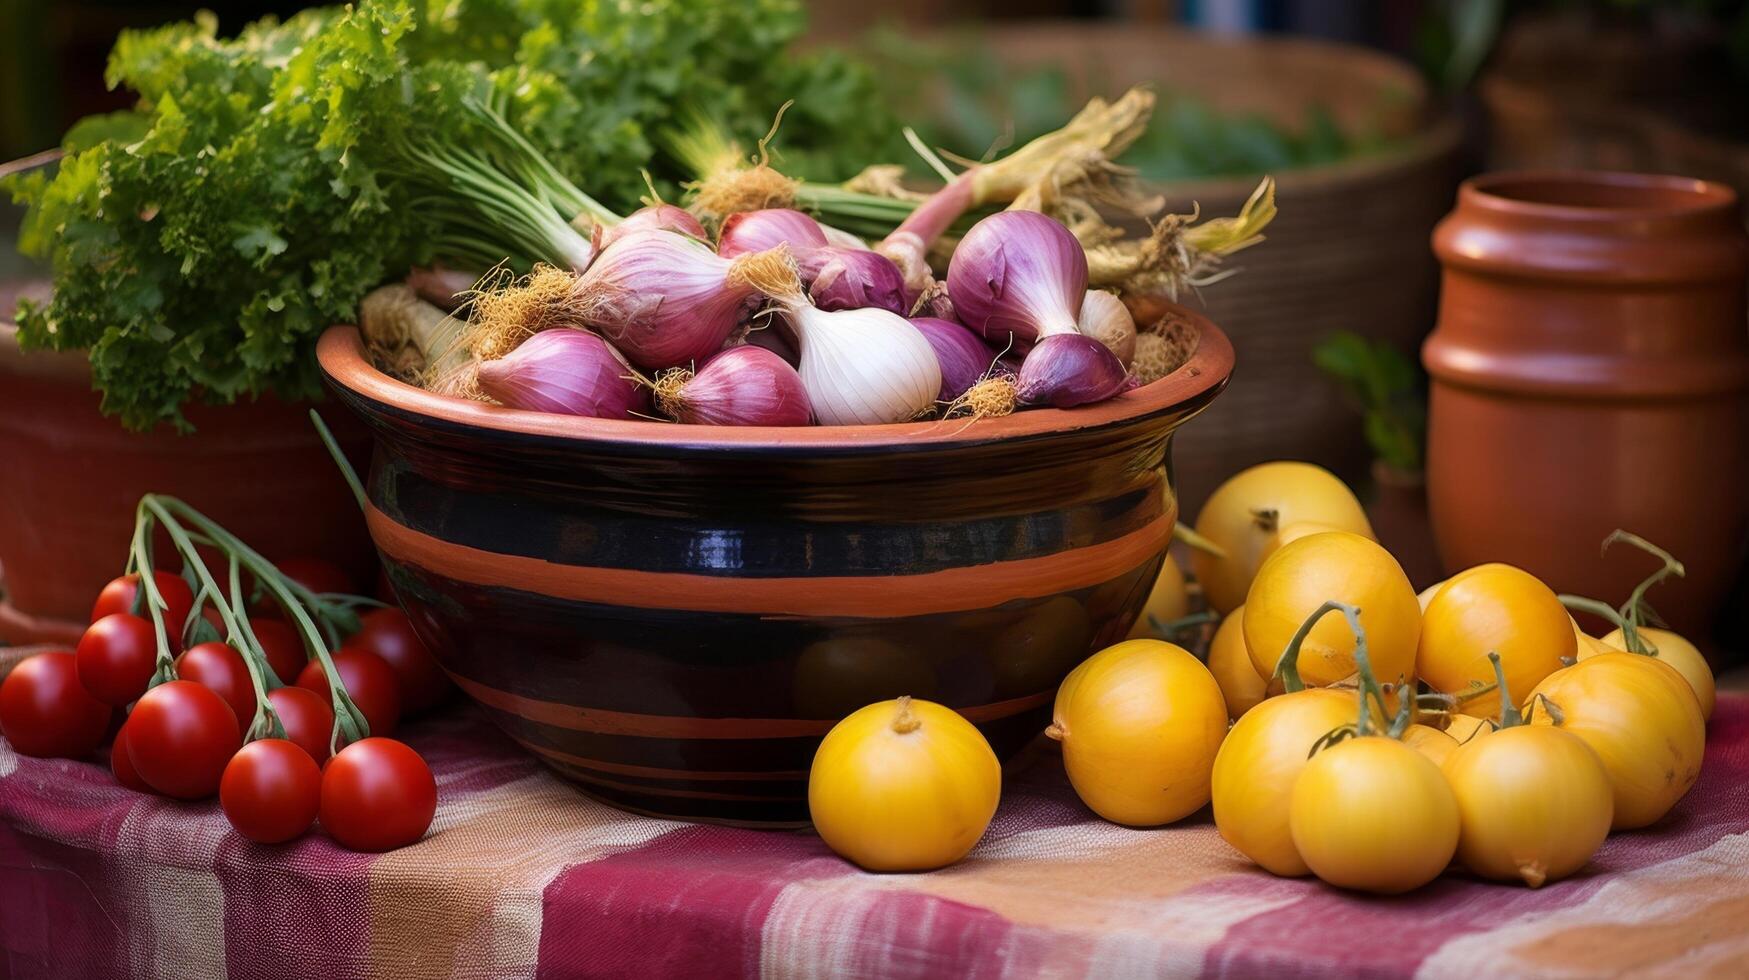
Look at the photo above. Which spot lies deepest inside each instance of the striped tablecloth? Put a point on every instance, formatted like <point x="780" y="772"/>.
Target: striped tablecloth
<point x="522" y="877"/>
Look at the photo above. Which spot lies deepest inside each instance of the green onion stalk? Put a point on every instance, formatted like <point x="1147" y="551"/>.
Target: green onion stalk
<point x="498" y="200"/>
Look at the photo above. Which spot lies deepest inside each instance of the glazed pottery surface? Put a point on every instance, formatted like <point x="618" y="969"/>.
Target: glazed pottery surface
<point x="73" y="477"/>
<point x="672" y="616"/>
<point x="1591" y="372"/>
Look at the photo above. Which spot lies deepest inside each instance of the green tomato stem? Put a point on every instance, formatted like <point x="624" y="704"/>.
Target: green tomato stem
<point x="140" y="560"/>
<point x="349" y="722"/>
<point x="265" y="720"/>
<point x="1509" y="713"/>
<point x="266" y="723"/>
<point x="1630" y="633"/>
<point x="1185" y="533"/>
<point x="1634" y="609"/>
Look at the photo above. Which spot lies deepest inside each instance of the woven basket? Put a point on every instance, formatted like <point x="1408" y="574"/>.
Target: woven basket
<point x="1349" y="250"/>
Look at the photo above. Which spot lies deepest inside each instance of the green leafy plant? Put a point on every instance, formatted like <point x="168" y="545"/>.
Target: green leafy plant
<point x="1385" y="387"/>
<point x="201" y="243"/>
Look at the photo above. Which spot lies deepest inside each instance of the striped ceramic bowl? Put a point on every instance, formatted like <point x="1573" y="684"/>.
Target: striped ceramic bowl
<point x="672" y="616"/>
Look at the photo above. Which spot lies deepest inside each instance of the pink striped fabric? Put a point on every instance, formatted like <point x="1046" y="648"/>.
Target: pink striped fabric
<point x="523" y="877"/>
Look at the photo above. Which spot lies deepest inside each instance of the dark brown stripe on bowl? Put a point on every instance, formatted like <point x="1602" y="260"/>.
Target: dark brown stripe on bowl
<point x="948" y="590"/>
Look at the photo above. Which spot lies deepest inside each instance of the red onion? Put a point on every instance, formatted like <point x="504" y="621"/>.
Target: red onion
<point x="1020" y="277"/>
<point x="837" y="278"/>
<point x="655" y="217"/>
<point x="965" y="360"/>
<point x="741" y="386"/>
<point x="665" y="299"/>
<point x="565" y="371"/>
<point x="756" y="231"/>
<point x="1065" y="370"/>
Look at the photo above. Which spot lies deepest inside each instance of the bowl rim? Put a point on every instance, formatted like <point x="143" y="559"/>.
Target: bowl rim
<point x="340" y="352"/>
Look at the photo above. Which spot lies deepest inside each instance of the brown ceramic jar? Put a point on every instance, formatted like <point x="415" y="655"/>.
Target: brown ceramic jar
<point x="1590" y="370"/>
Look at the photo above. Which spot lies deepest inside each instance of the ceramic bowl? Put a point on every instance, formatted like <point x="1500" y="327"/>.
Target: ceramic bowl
<point x="672" y="616"/>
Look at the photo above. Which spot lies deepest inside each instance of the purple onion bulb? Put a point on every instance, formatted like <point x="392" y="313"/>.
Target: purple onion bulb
<point x="655" y="217"/>
<point x="665" y="299"/>
<point x="1018" y="274"/>
<point x="756" y="231"/>
<point x="851" y="279"/>
<point x="836" y="277"/>
<point x="744" y="385"/>
<point x="964" y="358"/>
<point x="566" y="372"/>
<point x="1064" y="370"/>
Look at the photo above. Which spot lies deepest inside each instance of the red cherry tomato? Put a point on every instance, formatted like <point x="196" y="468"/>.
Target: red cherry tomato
<point x="118" y="597"/>
<point x="283" y="645"/>
<point x="117" y="656"/>
<point x="123" y="766"/>
<point x="377" y="795"/>
<point x="270" y="791"/>
<point x="319" y="575"/>
<point x="180" y="736"/>
<point x="368" y="678"/>
<point x="389" y="634"/>
<point x="307" y="718"/>
<point x="219" y="667"/>
<point x="45" y="712"/>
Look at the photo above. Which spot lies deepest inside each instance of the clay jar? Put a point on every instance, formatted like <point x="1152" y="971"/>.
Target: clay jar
<point x="1590" y="370"/>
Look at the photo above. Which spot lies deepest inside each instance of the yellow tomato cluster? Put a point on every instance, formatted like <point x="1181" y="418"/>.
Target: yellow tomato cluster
<point x="1474" y="722"/>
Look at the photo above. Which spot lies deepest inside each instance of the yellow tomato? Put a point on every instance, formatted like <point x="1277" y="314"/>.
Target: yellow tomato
<point x="1166" y="602"/>
<point x="1243" y="515"/>
<point x="1426" y="595"/>
<point x="1640" y="717"/>
<point x="1468" y="728"/>
<point x="1140" y="723"/>
<point x="1492" y="608"/>
<point x="1674" y="650"/>
<point x="1256" y="768"/>
<point x="1430" y="742"/>
<point x="1346" y="568"/>
<point x="903" y="785"/>
<point x="1241" y="686"/>
<point x="1374" y="815"/>
<point x="1535" y="803"/>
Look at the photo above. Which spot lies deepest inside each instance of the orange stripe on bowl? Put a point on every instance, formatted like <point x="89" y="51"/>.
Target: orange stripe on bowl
<point x="601" y="721"/>
<point x="869" y="596"/>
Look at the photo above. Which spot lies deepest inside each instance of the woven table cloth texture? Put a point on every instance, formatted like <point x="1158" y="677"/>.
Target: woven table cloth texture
<point x="520" y="876"/>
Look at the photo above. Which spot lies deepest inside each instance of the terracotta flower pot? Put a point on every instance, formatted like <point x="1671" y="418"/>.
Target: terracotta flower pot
<point x="1591" y="371"/>
<point x="72" y="476"/>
